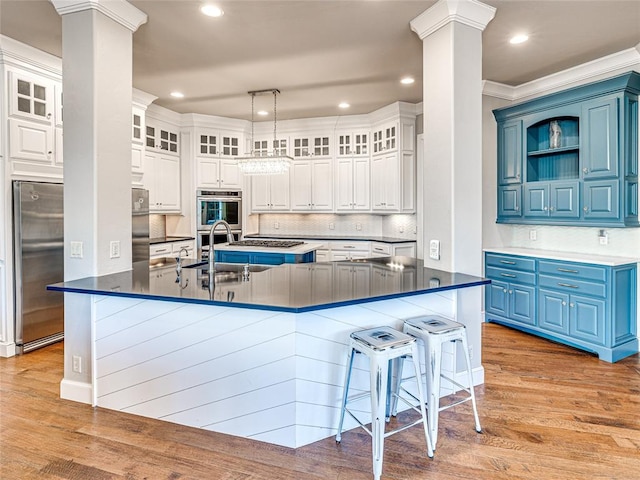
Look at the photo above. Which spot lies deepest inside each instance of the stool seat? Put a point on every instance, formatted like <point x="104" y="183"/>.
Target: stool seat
<point x="381" y="338"/>
<point x="383" y="346"/>
<point x="434" y="331"/>
<point x="433" y="324"/>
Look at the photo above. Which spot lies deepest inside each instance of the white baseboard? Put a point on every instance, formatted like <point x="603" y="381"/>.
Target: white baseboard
<point x="7" y="349"/>
<point x="76" y="391"/>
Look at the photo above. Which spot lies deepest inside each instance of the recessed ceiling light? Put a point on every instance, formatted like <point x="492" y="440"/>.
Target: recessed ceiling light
<point x="177" y="94"/>
<point x="344" y="105"/>
<point x="212" y="11"/>
<point x="262" y="112"/>
<point x="520" y="38"/>
<point x="407" y="80"/>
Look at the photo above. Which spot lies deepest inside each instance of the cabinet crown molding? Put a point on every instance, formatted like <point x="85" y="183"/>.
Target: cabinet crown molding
<point x="119" y="11"/>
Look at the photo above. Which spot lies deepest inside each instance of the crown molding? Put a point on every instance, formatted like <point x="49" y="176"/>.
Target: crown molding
<point x="119" y="11"/>
<point x="142" y="99"/>
<point x="18" y="54"/>
<point x="468" y="12"/>
<point x="597" y="69"/>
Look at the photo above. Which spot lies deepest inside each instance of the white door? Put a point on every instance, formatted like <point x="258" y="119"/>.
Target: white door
<point x="322" y="198"/>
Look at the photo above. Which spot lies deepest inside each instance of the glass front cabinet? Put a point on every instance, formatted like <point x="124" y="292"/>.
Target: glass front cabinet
<point x="571" y="158"/>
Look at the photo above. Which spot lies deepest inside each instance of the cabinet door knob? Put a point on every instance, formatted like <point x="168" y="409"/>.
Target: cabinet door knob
<point x="545" y="208"/>
<point x="564" y="303"/>
<point x="48" y="115"/>
<point x="571" y="305"/>
<point x="586" y="209"/>
<point x="585" y="170"/>
<point x="510" y="292"/>
<point x="504" y="290"/>
<point x="518" y="176"/>
<point x="551" y="209"/>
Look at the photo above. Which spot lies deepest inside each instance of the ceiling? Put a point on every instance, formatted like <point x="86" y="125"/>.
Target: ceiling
<point x="323" y="52"/>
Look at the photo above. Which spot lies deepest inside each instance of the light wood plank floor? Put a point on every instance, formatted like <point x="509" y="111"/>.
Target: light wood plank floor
<point x="548" y="412"/>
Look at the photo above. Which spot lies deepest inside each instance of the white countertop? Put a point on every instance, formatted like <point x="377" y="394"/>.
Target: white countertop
<point x="566" y="256"/>
<point x="297" y="250"/>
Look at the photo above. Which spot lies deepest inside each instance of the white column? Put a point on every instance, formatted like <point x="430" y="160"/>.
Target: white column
<point x="97" y="85"/>
<point x="451" y="32"/>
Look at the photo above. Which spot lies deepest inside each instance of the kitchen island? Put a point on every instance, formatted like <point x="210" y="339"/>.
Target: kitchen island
<point x="261" y="356"/>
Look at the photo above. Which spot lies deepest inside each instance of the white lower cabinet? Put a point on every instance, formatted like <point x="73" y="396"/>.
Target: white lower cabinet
<point x="321" y="287"/>
<point x="311" y="185"/>
<point x="172" y="249"/>
<point x="349" y="250"/>
<point x="353" y="281"/>
<point x="162" y="179"/>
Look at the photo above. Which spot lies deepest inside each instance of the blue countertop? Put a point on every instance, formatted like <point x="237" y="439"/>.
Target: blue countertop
<point x="289" y="287"/>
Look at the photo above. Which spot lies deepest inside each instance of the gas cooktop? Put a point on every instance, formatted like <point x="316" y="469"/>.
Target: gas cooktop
<point x="268" y="243"/>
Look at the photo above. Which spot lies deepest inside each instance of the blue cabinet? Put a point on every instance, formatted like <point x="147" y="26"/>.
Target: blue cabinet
<point x="574" y="155"/>
<point x="263" y="258"/>
<point x="588" y="306"/>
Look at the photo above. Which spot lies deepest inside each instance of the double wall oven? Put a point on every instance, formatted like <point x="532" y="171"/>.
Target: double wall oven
<point x="214" y="205"/>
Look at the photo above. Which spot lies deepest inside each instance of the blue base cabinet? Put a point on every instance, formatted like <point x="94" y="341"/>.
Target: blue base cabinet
<point x="263" y="258"/>
<point x="588" y="306"/>
<point x="572" y="156"/>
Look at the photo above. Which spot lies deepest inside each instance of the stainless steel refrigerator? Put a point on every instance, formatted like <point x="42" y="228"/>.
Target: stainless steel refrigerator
<point x="38" y="226"/>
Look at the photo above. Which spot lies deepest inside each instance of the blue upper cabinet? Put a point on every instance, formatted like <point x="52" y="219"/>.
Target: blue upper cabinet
<point x="571" y="158"/>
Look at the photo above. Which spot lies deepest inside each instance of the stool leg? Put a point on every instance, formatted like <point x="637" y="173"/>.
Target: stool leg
<point x="471" y="388"/>
<point x="421" y="397"/>
<point x="379" y="384"/>
<point x="433" y="367"/>
<point x="396" y="381"/>
<point x="347" y="380"/>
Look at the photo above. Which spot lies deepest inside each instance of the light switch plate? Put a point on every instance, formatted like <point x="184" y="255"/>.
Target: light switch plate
<point x="76" y="249"/>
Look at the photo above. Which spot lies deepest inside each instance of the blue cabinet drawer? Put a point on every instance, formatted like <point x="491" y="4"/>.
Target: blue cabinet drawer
<point x="509" y="261"/>
<point x="511" y="276"/>
<point x="571" y="285"/>
<point x="573" y="270"/>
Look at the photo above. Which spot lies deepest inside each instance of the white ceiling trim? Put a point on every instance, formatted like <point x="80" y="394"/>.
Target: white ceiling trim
<point x="120" y="11"/>
<point x="611" y="64"/>
<point x="468" y="12"/>
<point x="18" y="54"/>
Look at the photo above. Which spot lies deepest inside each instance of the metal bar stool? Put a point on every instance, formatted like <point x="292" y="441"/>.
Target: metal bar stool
<point x="382" y="345"/>
<point x="435" y="331"/>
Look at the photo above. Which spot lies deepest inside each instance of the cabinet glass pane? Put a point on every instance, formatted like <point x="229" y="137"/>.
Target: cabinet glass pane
<point x="173" y="137"/>
<point x="137" y="120"/>
<point x="24" y="105"/>
<point x="39" y="92"/>
<point x="24" y="88"/>
<point x="164" y="135"/>
<point x="40" y="108"/>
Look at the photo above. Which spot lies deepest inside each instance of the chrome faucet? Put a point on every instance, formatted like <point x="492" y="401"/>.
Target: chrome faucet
<point x="179" y="259"/>
<point x="212" y="253"/>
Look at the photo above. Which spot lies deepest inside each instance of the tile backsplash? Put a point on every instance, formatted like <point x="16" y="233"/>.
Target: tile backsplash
<point x="398" y="226"/>
<point x="157" y="226"/>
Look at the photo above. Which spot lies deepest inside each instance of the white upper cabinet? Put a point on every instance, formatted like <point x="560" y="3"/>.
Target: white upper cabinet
<point x="311" y="146"/>
<point x="270" y="193"/>
<point x="311" y="185"/>
<point x="385" y="138"/>
<point x="31" y="97"/>
<point x="218" y="173"/>
<point x="352" y="144"/>
<point x="211" y="143"/>
<point x="263" y="147"/>
<point x="162" y="179"/>
<point x="162" y="137"/>
<point x="352" y="184"/>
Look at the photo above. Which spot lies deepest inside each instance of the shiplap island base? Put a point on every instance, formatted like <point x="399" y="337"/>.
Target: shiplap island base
<point x="262" y="358"/>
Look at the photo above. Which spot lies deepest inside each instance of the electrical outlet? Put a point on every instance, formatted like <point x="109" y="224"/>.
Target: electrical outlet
<point x="76" y="249"/>
<point x="114" y="248"/>
<point x="77" y="364"/>
<point x="603" y="236"/>
<point x="434" y="249"/>
<point x="276" y="225"/>
<point x="533" y="235"/>
<point x="401" y="228"/>
<point x="332" y="226"/>
<point x="358" y="226"/>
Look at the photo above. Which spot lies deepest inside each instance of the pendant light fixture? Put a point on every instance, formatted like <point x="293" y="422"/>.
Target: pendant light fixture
<point x="273" y="162"/>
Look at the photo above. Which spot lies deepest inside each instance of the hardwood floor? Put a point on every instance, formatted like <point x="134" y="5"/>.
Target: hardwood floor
<point x="548" y="412"/>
